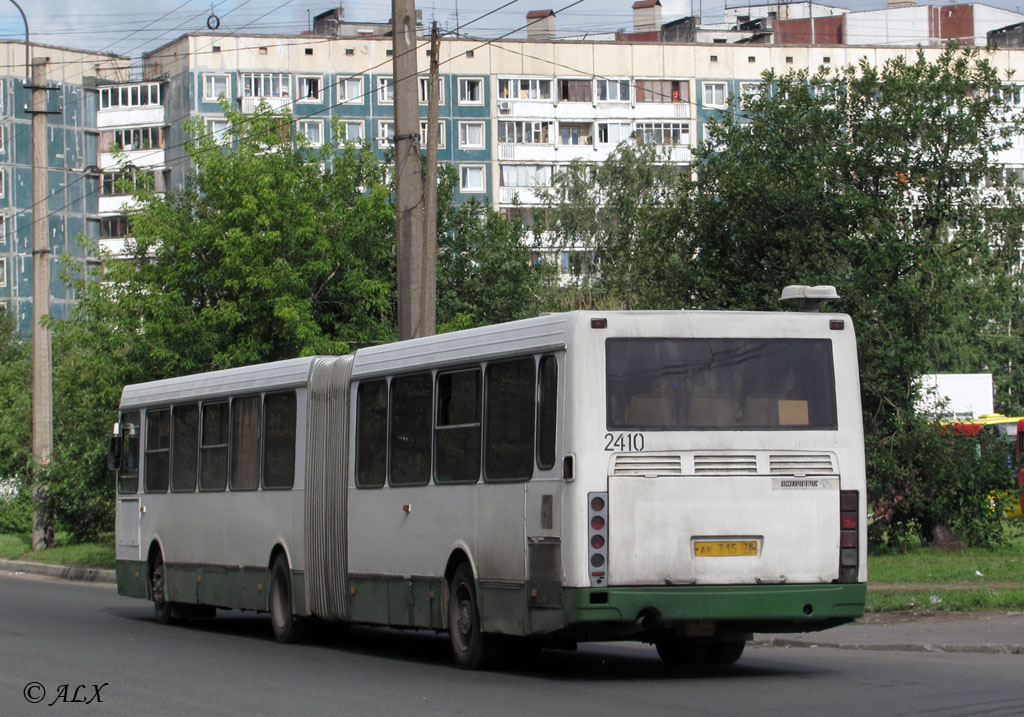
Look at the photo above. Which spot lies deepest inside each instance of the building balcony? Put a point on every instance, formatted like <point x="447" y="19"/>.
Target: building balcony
<point x="129" y="116"/>
<point x="250" y="104"/>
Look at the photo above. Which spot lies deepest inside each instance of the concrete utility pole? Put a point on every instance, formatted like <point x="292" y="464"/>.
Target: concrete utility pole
<point x="42" y="356"/>
<point x="408" y="176"/>
<point x="429" y="273"/>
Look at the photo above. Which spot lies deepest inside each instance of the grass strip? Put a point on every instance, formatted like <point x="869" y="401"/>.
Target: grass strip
<point x="971" y="599"/>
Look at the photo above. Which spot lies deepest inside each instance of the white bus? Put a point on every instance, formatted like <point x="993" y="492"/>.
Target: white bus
<point x="682" y="478"/>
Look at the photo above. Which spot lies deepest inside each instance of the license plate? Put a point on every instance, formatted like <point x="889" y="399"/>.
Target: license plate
<point x="723" y="548"/>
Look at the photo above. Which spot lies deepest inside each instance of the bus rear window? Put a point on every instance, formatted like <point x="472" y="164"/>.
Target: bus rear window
<point x="664" y="384"/>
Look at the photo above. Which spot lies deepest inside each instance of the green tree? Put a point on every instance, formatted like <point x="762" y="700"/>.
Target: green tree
<point x="15" y="426"/>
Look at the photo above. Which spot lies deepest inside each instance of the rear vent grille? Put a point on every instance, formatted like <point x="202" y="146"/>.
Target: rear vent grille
<point x="645" y="464"/>
<point x="724" y="464"/>
<point x="801" y="464"/>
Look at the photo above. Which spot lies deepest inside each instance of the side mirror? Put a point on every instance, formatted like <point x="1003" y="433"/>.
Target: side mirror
<point x="114" y="453"/>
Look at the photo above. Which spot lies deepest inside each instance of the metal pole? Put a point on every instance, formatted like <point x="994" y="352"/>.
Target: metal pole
<point x="429" y="270"/>
<point x="408" y="177"/>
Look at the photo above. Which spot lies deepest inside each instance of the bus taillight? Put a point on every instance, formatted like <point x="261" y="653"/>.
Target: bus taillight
<point x="849" y="529"/>
<point x="598" y="552"/>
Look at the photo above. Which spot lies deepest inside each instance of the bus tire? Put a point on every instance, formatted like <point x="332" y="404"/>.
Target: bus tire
<point x="471" y="648"/>
<point x="677" y="652"/>
<point x="725" y="652"/>
<point x="167" y="613"/>
<point x="281" y="618"/>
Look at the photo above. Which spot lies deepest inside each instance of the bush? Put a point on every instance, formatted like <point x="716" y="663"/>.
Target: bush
<point x="939" y="481"/>
<point x="15" y="505"/>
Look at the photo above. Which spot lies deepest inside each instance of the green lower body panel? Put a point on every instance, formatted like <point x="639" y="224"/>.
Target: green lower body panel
<point x="400" y="602"/>
<point x="132" y="578"/>
<point x="758" y="607"/>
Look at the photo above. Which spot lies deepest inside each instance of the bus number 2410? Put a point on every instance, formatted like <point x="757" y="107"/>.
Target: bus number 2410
<point x="624" y="442"/>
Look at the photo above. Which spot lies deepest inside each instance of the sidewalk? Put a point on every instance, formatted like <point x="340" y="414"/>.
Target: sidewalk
<point x="998" y="633"/>
<point x="917" y="631"/>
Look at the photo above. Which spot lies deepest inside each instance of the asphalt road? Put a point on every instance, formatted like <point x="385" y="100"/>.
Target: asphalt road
<point x="55" y="633"/>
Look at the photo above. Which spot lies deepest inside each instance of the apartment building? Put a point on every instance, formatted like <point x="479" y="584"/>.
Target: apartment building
<point x="72" y="156"/>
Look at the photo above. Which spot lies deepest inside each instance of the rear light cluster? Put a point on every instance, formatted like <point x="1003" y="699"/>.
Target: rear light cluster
<point x="597" y="512"/>
<point x="849" y="535"/>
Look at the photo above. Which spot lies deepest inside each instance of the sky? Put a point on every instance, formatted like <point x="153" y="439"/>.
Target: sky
<point x="131" y="27"/>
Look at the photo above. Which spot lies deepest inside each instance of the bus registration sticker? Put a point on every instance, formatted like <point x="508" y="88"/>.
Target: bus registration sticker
<point x="724" y="548"/>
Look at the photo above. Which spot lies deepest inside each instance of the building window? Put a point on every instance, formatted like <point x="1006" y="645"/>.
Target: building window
<point x="111" y="183"/>
<point x="424" y="90"/>
<point x="133" y="138"/>
<point x="312" y="130"/>
<point x="471" y="135"/>
<point x="385" y="133"/>
<point x="309" y="89"/>
<point x="349" y="51"/>
<point x="130" y="95"/>
<point x="664" y="133"/>
<point x="575" y="133"/>
<point x="113" y="227"/>
<point x="526" y="175"/>
<point x="714" y="94"/>
<point x="575" y="91"/>
<point x="385" y="90"/>
<point x="351" y="131"/>
<point x="425" y="135"/>
<point x="472" y="178"/>
<point x="216" y="86"/>
<point x="218" y="127"/>
<point x="309" y="50"/>
<point x="266" y="84"/>
<point x="3" y="271"/>
<point x="350" y="90"/>
<point x="3" y="229"/>
<point x="749" y="91"/>
<point x="3" y="183"/>
<point x="789" y="59"/>
<point x="613" y="90"/>
<point x="612" y="132"/>
<point x="576" y="263"/>
<point x="524" y="89"/>
<point x="471" y="91"/>
<point x="3" y="138"/>
<point x="524" y="132"/>
<point x="662" y="91"/>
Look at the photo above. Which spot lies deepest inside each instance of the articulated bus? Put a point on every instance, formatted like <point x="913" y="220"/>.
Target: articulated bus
<point x="681" y="478"/>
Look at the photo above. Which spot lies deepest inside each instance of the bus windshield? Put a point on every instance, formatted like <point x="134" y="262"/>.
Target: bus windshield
<point x="671" y="384"/>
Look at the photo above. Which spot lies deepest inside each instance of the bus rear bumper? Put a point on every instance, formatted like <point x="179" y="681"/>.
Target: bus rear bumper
<point x="745" y="608"/>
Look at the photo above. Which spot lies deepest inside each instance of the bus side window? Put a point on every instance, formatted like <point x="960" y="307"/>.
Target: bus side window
<point x="511" y="405"/>
<point x="213" y="447"/>
<point x="547" y="406"/>
<point x="158" y="450"/>
<point x="371" y="433"/>
<point x="128" y="475"/>
<point x="245" y="443"/>
<point x="184" y="447"/>
<point x="409" y="439"/>
<point x="279" y="444"/>
<point x="458" y="427"/>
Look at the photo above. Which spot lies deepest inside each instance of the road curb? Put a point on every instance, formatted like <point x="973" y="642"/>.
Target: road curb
<point x="894" y="647"/>
<point x="89" y="575"/>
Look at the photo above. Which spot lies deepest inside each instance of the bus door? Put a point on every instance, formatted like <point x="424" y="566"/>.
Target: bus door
<point x="124" y="458"/>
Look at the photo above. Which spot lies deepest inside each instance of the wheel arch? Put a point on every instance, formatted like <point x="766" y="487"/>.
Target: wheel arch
<point x="459" y="554"/>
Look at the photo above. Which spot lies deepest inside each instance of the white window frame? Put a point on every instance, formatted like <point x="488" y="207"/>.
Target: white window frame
<point x="385" y="90"/>
<point x="348" y="125"/>
<point x="3" y="271"/>
<point x="424" y="88"/>
<point x="527" y="132"/>
<point x="425" y="130"/>
<point x="351" y="90"/>
<point x="750" y="90"/>
<point x="257" y="81"/>
<point x="512" y="88"/>
<point x="209" y="87"/>
<point x="3" y="228"/>
<point x="708" y="92"/>
<point x="526" y="176"/>
<point x="218" y="128"/>
<point x="302" y="97"/>
<point x="663" y="128"/>
<point x="304" y="125"/>
<point x="385" y="133"/>
<point x="3" y="183"/>
<point x="466" y="188"/>
<point x="621" y="84"/>
<point x="464" y="142"/>
<point x="622" y="127"/>
<point x="3" y="137"/>
<point x="464" y="83"/>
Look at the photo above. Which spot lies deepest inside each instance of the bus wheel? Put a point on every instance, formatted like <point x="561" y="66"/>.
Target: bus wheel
<point x="471" y="648"/>
<point x="166" y="612"/>
<point x="725" y="653"/>
<point x="681" y="653"/>
<point x="281" y="601"/>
